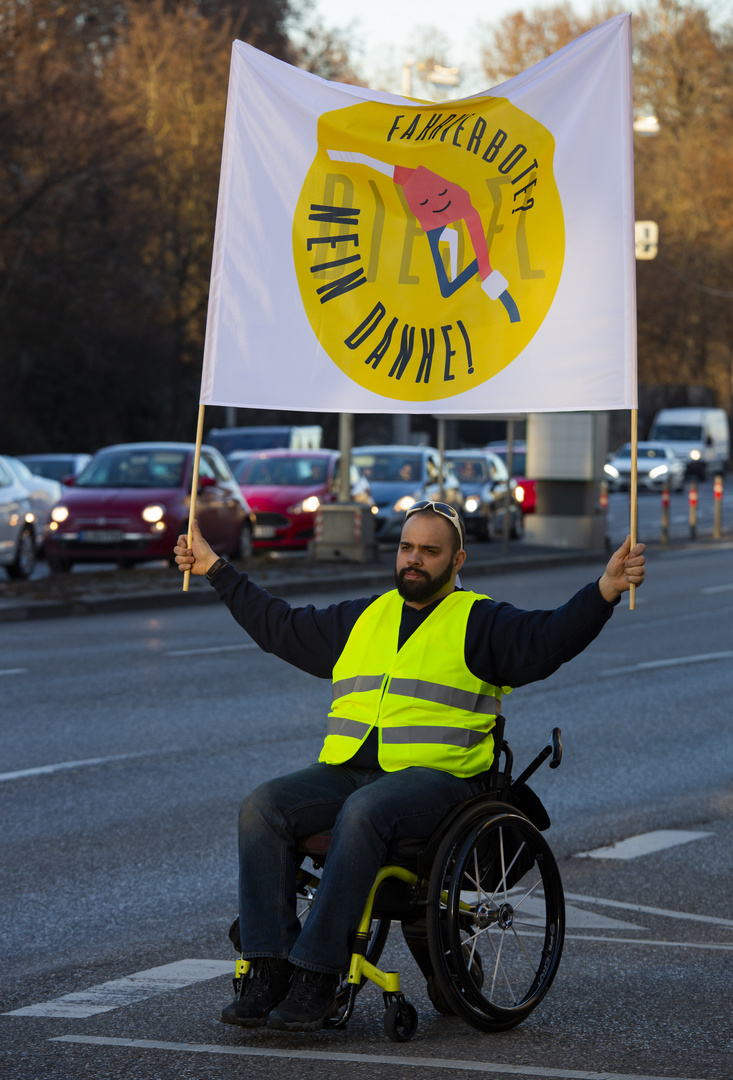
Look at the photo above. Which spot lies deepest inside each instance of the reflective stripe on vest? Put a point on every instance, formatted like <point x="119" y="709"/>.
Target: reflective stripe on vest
<point x="445" y="695"/>
<point x="443" y="725"/>
<point x="359" y="683"/>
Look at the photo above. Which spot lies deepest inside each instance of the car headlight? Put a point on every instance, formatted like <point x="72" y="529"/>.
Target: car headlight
<point x="519" y="493"/>
<point x="404" y="503"/>
<point x="154" y="512"/>
<point x="695" y="455"/>
<point x="60" y="513"/>
<point x="306" y="506"/>
<point x="472" y="504"/>
<point x="611" y="470"/>
<point x="658" y="470"/>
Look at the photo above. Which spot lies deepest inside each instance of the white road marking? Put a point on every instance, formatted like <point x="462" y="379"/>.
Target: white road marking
<point x="575" y="918"/>
<point x="717" y="588"/>
<point x="494" y="1068"/>
<point x="43" y="770"/>
<point x="643" y="909"/>
<point x="129" y="990"/>
<point x="675" y="661"/>
<point x="14" y="671"/>
<point x="720" y="947"/>
<point x="212" y="649"/>
<point x="643" y="844"/>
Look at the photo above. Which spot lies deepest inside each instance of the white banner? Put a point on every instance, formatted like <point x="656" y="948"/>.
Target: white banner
<point x="379" y="254"/>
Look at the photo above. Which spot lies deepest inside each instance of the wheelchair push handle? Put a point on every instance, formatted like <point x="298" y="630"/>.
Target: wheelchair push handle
<point x="554" y="748"/>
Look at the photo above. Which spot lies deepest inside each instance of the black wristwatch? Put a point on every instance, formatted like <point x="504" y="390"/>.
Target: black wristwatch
<point x="215" y="567"/>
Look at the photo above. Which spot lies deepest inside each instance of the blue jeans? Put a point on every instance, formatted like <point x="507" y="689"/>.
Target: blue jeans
<point x="366" y="809"/>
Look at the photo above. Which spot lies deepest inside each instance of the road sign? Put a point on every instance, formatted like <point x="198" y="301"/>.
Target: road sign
<point x="646" y="237"/>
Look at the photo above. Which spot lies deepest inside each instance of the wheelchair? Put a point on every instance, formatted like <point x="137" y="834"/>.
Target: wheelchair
<point x="480" y="904"/>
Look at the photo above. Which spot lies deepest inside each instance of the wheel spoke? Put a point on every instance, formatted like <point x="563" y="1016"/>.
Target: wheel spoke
<point x="520" y="943"/>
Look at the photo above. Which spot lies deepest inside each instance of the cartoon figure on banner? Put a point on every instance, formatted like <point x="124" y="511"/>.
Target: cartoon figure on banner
<point x="438" y="203"/>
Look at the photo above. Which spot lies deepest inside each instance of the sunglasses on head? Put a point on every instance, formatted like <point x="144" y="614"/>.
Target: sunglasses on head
<point x="440" y="508"/>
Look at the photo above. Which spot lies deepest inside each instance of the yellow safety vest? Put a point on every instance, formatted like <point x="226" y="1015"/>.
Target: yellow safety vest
<point x="429" y="708"/>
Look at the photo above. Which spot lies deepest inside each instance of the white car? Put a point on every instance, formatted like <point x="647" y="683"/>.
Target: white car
<point x="657" y="467"/>
<point x="42" y="492"/>
<point x="17" y="526"/>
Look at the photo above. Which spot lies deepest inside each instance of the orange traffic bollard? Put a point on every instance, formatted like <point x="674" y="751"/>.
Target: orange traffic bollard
<point x="665" y="514"/>
<point x="692" y="499"/>
<point x="718" y="508"/>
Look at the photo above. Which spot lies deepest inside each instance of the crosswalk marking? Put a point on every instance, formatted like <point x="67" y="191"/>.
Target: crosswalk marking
<point x="643" y="844"/>
<point x="626" y="905"/>
<point x="129" y="990"/>
<point x="422" y="1062"/>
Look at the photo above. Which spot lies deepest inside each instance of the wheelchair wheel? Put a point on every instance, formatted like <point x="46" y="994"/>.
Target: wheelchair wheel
<point x="496" y="919"/>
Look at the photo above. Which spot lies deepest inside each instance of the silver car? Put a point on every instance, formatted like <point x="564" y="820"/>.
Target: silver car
<point x="42" y="492"/>
<point x="17" y="526"/>
<point x="657" y="467"/>
<point x="400" y="476"/>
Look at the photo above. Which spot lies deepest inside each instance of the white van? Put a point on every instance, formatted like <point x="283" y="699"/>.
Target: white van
<point x="699" y="437"/>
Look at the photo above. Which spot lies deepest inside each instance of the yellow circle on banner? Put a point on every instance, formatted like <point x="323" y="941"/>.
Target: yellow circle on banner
<point x="428" y="242"/>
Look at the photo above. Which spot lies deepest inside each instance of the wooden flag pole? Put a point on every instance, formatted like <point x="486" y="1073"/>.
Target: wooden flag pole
<point x="194" y="487"/>
<point x="633" y="495"/>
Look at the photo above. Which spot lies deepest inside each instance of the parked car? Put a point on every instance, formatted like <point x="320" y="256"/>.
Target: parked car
<point x="657" y="467"/>
<point x="42" y="492"/>
<point x="132" y="501"/>
<point x="399" y="477"/>
<point x="17" y="526"/>
<point x="484" y="482"/>
<point x="525" y="492"/>
<point x="56" y="466"/>
<point x="284" y="488"/>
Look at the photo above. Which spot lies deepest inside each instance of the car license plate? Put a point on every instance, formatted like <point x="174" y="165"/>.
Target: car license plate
<point x="101" y="536"/>
<point x="264" y="532"/>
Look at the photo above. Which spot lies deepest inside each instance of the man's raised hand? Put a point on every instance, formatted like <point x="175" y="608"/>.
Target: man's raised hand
<point x="625" y="568"/>
<point x="197" y="558"/>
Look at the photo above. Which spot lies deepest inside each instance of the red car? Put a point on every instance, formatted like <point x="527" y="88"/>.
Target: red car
<point x="524" y="492"/>
<point x="131" y="502"/>
<point x="285" y="488"/>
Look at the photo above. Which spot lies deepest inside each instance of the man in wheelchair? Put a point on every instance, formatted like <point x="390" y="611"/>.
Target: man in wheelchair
<point x="418" y="675"/>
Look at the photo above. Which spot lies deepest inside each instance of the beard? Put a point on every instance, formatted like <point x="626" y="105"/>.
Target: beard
<point x="420" y="591"/>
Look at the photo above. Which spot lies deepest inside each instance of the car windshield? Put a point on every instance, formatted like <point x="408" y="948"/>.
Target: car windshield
<point x="470" y="470"/>
<point x="678" y="432"/>
<point x="519" y="460"/>
<point x="261" y="470"/>
<point x="390" y="467"/>
<point x="52" y="469"/>
<point x="135" y="469"/>
<point x="642" y="452"/>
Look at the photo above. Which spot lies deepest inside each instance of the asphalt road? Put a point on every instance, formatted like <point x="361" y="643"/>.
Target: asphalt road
<point x="128" y="740"/>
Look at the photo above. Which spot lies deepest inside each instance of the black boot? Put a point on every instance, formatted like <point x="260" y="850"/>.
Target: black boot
<point x="312" y="998"/>
<point x="265" y="985"/>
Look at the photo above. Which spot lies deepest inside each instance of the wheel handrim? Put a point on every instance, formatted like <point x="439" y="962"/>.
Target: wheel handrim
<point x="502" y="921"/>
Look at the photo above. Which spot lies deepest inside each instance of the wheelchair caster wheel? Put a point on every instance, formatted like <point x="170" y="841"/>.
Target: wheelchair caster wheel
<point x="400" y="1021"/>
